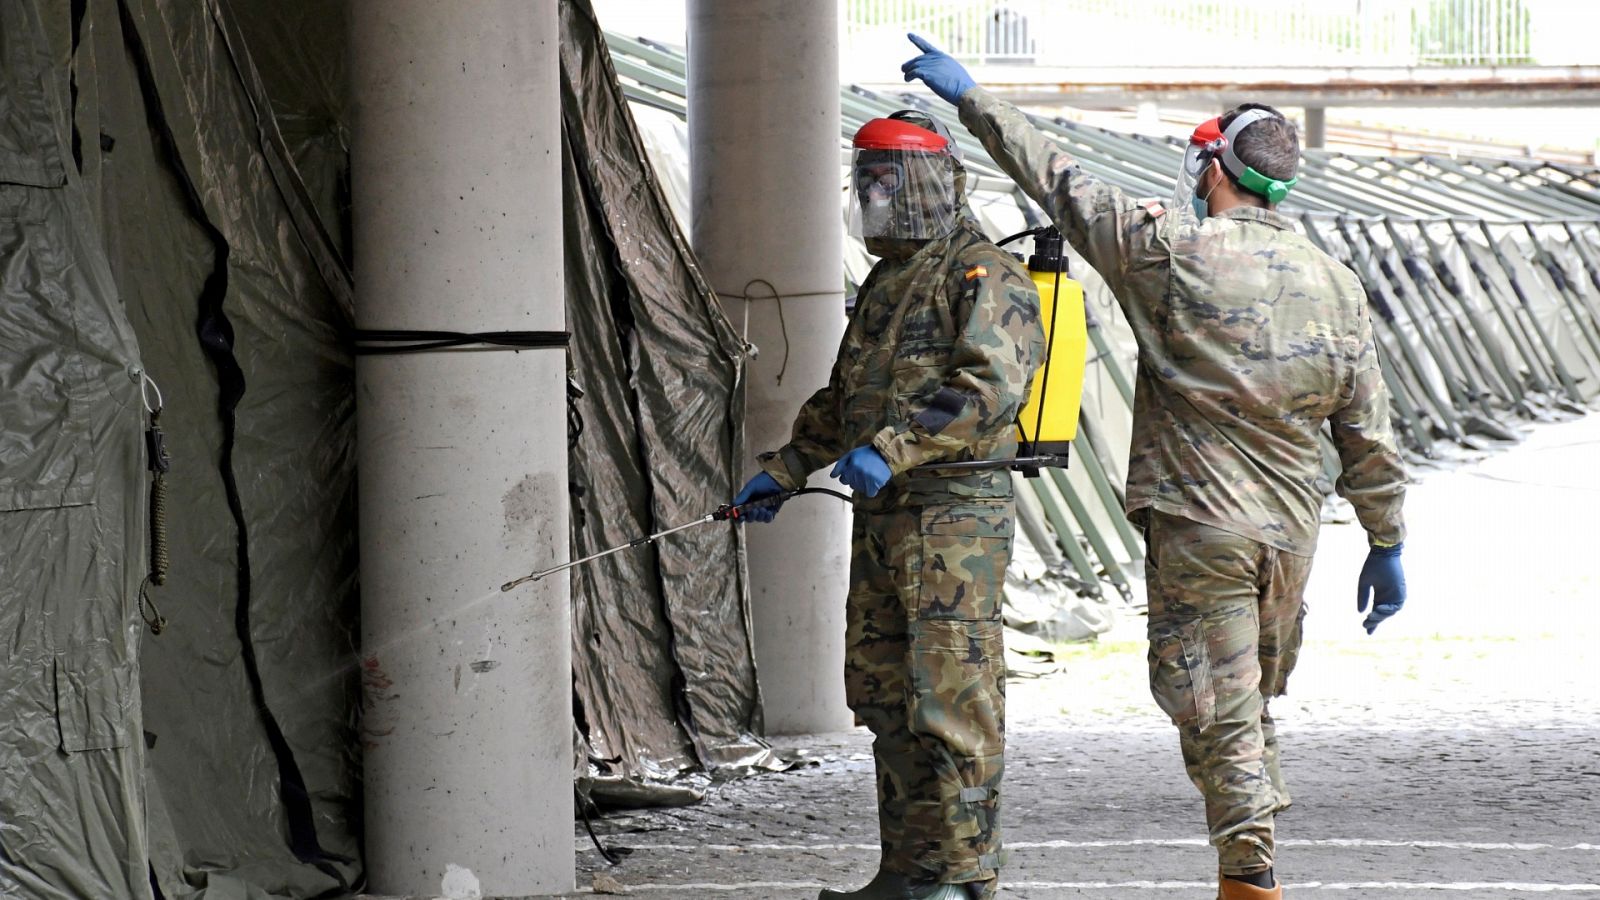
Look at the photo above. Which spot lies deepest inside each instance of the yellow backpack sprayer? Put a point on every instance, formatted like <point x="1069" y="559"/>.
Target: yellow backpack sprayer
<point x="1048" y="424"/>
<point x="1052" y="409"/>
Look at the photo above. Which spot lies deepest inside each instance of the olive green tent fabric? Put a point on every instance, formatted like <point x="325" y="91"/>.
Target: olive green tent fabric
<point x="298" y="49"/>
<point x="173" y="200"/>
<point x="197" y="225"/>
<point x="663" y="666"/>
<point x="71" y="509"/>
<point x="251" y="689"/>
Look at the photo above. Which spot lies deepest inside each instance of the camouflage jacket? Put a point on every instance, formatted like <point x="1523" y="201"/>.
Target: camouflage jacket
<point x="1250" y="338"/>
<point x="934" y="366"/>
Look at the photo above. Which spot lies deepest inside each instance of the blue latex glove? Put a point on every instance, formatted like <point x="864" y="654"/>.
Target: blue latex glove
<point x="864" y="469"/>
<point x="942" y="74"/>
<point x="763" y="485"/>
<point x="1384" y="582"/>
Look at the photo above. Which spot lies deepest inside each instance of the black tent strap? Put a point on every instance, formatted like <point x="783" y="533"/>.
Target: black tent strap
<point x="374" y="342"/>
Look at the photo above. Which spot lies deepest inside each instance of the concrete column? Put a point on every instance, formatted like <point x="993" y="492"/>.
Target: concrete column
<point x="766" y="183"/>
<point x="1316" y="127"/>
<point x="457" y="211"/>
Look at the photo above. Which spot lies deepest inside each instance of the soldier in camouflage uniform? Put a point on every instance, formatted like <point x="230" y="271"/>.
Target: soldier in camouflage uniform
<point x="1250" y="340"/>
<point x="934" y="367"/>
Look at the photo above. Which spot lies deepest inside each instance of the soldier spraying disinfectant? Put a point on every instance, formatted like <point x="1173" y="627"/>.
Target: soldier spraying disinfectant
<point x="934" y="367"/>
<point x="1250" y="341"/>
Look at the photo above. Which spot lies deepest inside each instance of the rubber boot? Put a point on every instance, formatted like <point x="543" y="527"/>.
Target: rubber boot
<point x="883" y="886"/>
<point x="893" y="886"/>
<point x="1228" y="889"/>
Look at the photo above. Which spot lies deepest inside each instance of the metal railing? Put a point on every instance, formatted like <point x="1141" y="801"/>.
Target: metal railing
<point x="1232" y="33"/>
<point x="980" y="32"/>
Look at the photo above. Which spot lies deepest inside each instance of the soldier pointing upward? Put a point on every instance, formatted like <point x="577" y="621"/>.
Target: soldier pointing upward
<point x="1250" y="339"/>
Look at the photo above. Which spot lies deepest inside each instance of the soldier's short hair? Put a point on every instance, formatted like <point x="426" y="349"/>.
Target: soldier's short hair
<point x="1270" y="146"/>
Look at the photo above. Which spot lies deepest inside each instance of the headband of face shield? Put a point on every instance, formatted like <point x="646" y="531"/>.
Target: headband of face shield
<point x="1209" y="142"/>
<point x="903" y="179"/>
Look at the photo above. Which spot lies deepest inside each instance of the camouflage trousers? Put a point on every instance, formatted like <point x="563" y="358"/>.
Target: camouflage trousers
<point x="1225" y="626"/>
<point x="925" y="671"/>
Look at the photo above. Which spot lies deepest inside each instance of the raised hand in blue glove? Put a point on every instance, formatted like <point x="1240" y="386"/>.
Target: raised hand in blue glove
<point x="942" y="74"/>
<point x="864" y="469"/>
<point x="763" y="485"/>
<point x="1384" y="582"/>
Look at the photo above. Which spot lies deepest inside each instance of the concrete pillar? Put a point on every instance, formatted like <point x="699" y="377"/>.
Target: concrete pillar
<point x="766" y="183"/>
<point x="457" y="211"/>
<point x="1316" y="128"/>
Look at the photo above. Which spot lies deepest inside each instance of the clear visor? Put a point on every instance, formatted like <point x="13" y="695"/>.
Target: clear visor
<point x="1196" y="157"/>
<point x="902" y="194"/>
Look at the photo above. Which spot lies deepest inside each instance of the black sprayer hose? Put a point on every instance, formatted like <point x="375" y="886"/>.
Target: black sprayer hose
<point x="1020" y="235"/>
<point x="728" y="511"/>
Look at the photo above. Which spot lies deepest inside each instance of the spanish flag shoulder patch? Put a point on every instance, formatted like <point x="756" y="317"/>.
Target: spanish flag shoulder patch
<point x="977" y="272"/>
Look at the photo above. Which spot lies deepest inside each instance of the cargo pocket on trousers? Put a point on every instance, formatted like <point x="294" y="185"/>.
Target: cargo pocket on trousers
<point x="93" y="695"/>
<point x="1180" y="675"/>
<point x="958" y="692"/>
<point x="965" y="550"/>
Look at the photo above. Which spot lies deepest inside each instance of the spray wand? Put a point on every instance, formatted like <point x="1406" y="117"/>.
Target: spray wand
<point x="724" y="513"/>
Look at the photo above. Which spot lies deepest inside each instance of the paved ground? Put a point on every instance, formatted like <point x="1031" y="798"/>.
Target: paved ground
<point x="1457" y="752"/>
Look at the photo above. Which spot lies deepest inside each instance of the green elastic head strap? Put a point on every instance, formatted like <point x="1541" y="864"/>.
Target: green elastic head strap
<point x="1251" y="180"/>
<point x="1271" y="188"/>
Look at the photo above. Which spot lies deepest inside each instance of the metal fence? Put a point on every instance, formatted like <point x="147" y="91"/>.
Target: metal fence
<point x="1234" y="33"/>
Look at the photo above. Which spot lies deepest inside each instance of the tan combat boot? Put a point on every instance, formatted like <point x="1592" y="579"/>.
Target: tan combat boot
<point x="1228" y="889"/>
